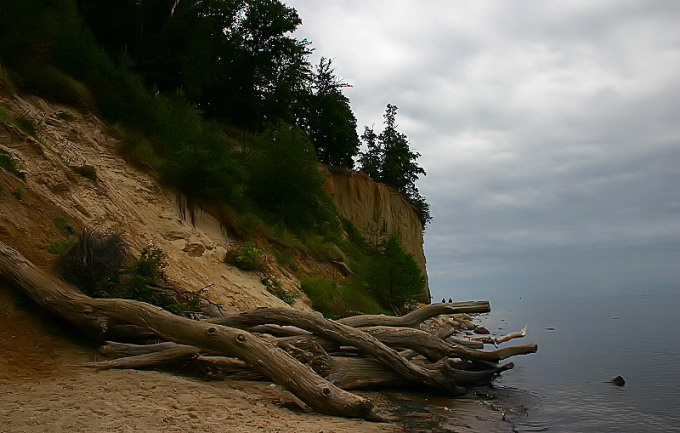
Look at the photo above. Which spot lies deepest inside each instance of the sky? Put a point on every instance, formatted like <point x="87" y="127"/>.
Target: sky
<point x="549" y="131"/>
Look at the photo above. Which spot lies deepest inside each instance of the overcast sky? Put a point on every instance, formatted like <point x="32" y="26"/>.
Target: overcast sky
<point x="550" y="133"/>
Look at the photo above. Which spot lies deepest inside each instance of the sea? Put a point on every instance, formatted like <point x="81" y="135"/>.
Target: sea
<point x="586" y="339"/>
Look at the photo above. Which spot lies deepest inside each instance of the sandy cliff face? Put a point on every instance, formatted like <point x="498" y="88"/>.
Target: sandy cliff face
<point x="367" y="203"/>
<point x="123" y="198"/>
<point x="128" y="199"/>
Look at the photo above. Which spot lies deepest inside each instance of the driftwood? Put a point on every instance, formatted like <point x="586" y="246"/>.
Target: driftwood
<point x="418" y="316"/>
<point x="96" y="314"/>
<point x="304" y="352"/>
<point x="346" y="335"/>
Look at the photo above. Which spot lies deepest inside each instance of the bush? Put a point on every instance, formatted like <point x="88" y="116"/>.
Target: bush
<point x="336" y="301"/>
<point x="92" y="261"/>
<point x="274" y="287"/>
<point x="248" y="257"/>
<point x="284" y="179"/>
<point x="95" y="262"/>
<point x="10" y="164"/>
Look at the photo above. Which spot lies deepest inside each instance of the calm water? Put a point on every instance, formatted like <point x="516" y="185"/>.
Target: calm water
<point x="584" y="341"/>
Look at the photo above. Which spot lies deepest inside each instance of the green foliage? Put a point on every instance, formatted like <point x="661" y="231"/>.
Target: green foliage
<point x="391" y="274"/>
<point x="148" y="268"/>
<point x="18" y="194"/>
<point x="274" y="287"/>
<point x="336" y="301"/>
<point x="25" y="124"/>
<point x="330" y="122"/>
<point x="66" y="229"/>
<point x="287" y="259"/>
<point x="63" y="225"/>
<point x="248" y="257"/>
<point x="389" y="159"/>
<point x="10" y="164"/>
<point x="284" y="179"/>
<point x="59" y="246"/>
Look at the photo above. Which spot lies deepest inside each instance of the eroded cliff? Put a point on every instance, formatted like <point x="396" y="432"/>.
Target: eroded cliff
<point x="368" y="204"/>
<point x="121" y="197"/>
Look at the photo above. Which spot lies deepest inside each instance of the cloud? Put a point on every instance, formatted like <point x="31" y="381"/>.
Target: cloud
<point x="550" y="132"/>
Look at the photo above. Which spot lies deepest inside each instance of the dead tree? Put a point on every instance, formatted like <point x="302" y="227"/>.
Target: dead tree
<point x="302" y="351"/>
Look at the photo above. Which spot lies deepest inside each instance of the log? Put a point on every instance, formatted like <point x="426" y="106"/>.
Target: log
<point x="502" y="339"/>
<point x="154" y="359"/>
<point x="97" y="314"/>
<point x="113" y="348"/>
<point x="433" y="347"/>
<point x="418" y="316"/>
<point x="344" y="335"/>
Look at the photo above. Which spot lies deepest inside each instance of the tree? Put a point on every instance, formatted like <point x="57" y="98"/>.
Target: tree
<point x="330" y="122"/>
<point x="284" y="178"/>
<point x="389" y="159"/>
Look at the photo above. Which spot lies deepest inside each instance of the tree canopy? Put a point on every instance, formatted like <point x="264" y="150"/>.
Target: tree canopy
<point x="389" y="159"/>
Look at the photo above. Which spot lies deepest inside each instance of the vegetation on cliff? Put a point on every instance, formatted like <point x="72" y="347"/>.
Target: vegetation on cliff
<point x="221" y="101"/>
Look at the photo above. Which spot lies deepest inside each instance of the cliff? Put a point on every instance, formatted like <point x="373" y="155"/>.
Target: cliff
<point x="366" y="203"/>
<point x="54" y="201"/>
<point x="75" y="177"/>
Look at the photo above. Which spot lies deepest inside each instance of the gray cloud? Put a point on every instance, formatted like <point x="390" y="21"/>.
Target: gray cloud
<point x="550" y="132"/>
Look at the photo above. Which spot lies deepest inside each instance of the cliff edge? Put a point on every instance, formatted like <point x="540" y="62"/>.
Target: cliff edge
<point x="367" y="203"/>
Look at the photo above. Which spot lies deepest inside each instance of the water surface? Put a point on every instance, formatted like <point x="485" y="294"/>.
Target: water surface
<point x="584" y="341"/>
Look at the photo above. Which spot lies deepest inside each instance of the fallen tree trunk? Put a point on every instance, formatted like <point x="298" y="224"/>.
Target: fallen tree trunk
<point x="418" y="316"/>
<point x="344" y="335"/>
<point x="153" y="359"/>
<point x="97" y="314"/>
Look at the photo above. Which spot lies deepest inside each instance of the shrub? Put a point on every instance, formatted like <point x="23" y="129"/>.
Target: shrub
<point x="274" y="287"/>
<point x="10" y="164"/>
<point x="58" y="247"/>
<point x="248" y="257"/>
<point x="284" y="179"/>
<point x="335" y="301"/>
<point x="93" y="260"/>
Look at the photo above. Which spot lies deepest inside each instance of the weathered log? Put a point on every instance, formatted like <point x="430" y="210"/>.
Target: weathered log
<point x="116" y="349"/>
<point x="434" y="348"/>
<point x="418" y="316"/>
<point x="502" y="339"/>
<point x="344" y="335"/>
<point x="96" y="314"/>
<point x="154" y="359"/>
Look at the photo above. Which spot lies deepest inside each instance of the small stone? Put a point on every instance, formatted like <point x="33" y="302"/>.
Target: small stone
<point x="618" y="381"/>
<point x="481" y="330"/>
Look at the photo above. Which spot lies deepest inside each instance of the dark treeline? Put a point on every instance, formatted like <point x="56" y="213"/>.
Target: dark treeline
<point x="222" y="102"/>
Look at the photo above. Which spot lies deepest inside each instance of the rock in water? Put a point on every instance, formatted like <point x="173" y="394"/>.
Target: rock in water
<point x="481" y="330"/>
<point x="618" y="381"/>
